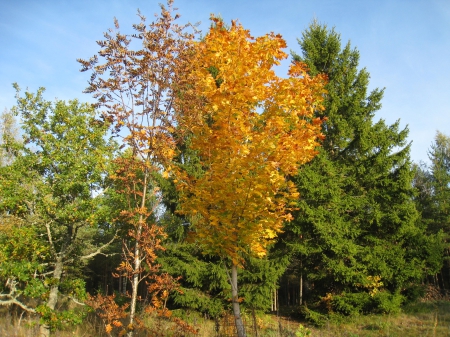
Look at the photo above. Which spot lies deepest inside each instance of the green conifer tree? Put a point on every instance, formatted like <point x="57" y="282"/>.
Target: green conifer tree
<point x="433" y="202"/>
<point x="355" y="230"/>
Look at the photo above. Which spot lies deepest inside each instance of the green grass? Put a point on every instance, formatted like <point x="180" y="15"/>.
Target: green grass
<point x="429" y="319"/>
<point x="416" y="320"/>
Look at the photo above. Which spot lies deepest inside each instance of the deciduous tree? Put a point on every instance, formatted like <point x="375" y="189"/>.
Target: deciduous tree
<point x="50" y="201"/>
<point x="9" y="135"/>
<point x="138" y="88"/>
<point x="251" y="130"/>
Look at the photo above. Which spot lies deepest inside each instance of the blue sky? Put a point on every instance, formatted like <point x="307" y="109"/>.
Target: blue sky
<point x="404" y="44"/>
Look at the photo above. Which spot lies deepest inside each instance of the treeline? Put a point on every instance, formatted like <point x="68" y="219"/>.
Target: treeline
<point x="201" y="181"/>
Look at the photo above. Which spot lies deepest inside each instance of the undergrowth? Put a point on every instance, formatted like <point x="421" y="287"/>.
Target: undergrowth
<point x="418" y="319"/>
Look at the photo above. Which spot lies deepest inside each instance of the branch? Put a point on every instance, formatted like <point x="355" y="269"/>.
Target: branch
<point x="99" y="250"/>
<point x="76" y="301"/>
<point x="45" y="274"/>
<point x="11" y="284"/>
<point x="16" y="302"/>
<point x="49" y="235"/>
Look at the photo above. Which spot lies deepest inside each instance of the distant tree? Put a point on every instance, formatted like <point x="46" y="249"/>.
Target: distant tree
<point x="433" y="199"/>
<point x="356" y="229"/>
<point x="440" y="174"/>
<point x="251" y="130"/>
<point x="51" y="205"/>
<point x="9" y="134"/>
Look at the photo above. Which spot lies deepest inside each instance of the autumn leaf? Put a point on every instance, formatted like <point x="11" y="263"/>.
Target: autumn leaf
<point x="252" y="130"/>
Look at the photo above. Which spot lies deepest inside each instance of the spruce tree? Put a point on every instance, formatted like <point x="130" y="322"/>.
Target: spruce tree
<point x="432" y="200"/>
<point x="440" y="181"/>
<point x="356" y="228"/>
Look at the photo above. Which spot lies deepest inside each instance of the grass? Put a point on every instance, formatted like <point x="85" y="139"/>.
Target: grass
<point x="429" y="319"/>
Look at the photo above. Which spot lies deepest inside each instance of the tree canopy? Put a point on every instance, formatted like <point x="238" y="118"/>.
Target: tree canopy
<point x="356" y="219"/>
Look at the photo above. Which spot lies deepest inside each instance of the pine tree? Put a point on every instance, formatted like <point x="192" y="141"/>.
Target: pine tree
<point x="355" y="231"/>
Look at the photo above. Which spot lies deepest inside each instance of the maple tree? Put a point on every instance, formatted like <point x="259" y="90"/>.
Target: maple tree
<point x="138" y="88"/>
<point x="251" y="130"/>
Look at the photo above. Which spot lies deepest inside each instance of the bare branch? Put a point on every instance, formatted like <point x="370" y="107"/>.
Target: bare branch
<point x="76" y="301"/>
<point x="16" y="302"/>
<point x="99" y="250"/>
<point x="50" y="239"/>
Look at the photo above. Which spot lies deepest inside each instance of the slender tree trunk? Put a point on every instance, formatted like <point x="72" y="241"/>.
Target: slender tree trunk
<point x="288" y="293"/>
<point x="255" y="324"/>
<point x="137" y="259"/>
<point x="301" y="282"/>
<point x="124" y="285"/>
<point x="44" y="329"/>
<point x="275" y="300"/>
<point x="301" y="288"/>
<point x="135" y="280"/>
<point x="272" y="300"/>
<point x="235" y="298"/>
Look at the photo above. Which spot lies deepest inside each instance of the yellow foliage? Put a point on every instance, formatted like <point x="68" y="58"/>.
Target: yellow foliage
<point x="373" y="284"/>
<point x="252" y="130"/>
<point x="117" y="324"/>
<point x="108" y="328"/>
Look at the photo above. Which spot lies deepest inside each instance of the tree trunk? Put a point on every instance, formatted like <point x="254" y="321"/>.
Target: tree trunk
<point x="135" y="282"/>
<point x="301" y="288"/>
<point x="255" y="324"/>
<point x="272" y="300"/>
<point x="44" y="329"/>
<point x="275" y="299"/>
<point x="137" y="260"/>
<point x="235" y="298"/>
<point x="288" y="293"/>
<point x="301" y="282"/>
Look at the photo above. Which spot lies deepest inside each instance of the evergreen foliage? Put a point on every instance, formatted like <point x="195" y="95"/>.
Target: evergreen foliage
<point x="206" y="184"/>
<point x="432" y="200"/>
<point x="357" y="221"/>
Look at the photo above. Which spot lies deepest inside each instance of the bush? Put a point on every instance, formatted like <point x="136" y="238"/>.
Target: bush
<point x="351" y="304"/>
<point x="414" y="292"/>
<point x="314" y="317"/>
<point x="388" y="303"/>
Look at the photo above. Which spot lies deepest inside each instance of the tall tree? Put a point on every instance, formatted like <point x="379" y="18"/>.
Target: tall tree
<point x="356" y="230"/>
<point x="138" y="89"/>
<point x="433" y="199"/>
<point x="440" y="173"/>
<point x="51" y="203"/>
<point x="251" y="130"/>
